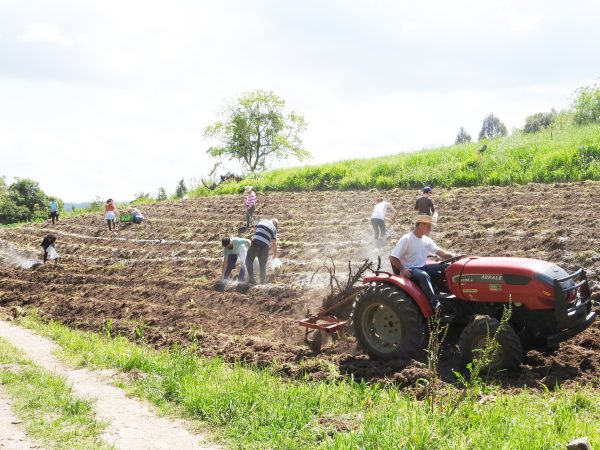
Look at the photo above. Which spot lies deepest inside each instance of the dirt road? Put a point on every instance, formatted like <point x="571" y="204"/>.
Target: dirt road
<point x="12" y="435"/>
<point x="132" y="425"/>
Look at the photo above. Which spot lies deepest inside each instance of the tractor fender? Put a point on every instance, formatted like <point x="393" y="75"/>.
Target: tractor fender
<point x="406" y="285"/>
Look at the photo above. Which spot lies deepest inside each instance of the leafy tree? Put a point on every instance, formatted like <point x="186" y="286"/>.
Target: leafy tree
<point x="492" y="128"/>
<point x="462" y="136"/>
<point x="181" y="189"/>
<point x="26" y="192"/>
<point x="23" y="201"/>
<point x="539" y="121"/>
<point x="255" y="131"/>
<point x="162" y="194"/>
<point x="587" y="105"/>
<point x="10" y="212"/>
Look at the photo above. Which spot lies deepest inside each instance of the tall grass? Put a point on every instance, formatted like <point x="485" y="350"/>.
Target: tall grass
<point x="256" y="408"/>
<point x="568" y="154"/>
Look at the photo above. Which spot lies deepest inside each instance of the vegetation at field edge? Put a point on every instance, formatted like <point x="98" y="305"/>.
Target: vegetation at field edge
<point x="558" y="154"/>
<point x="256" y="408"/>
<point x="49" y="410"/>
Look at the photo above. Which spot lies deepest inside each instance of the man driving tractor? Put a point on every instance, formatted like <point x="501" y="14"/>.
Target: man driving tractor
<point x="409" y="258"/>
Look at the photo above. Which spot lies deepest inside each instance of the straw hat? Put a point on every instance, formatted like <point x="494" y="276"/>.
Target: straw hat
<point x="249" y="188"/>
<point x="424" y="218"/>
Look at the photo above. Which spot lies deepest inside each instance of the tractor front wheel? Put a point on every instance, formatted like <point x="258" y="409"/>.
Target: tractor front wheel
<point x="387" y="323"/>
<point x="479" y="335"/>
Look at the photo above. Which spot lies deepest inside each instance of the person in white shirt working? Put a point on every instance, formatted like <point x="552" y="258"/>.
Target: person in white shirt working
<point x="409" y="258"/>
<point x="378" y="217"/>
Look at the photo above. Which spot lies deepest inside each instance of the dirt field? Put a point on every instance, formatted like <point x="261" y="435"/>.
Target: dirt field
<point x="156" y="281"/>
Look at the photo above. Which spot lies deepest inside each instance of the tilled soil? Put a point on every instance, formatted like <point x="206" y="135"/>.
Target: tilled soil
<point x="156" y="282"/>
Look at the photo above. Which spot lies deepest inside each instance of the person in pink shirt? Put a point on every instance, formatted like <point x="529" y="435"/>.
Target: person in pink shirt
<point x="250" y="205"/>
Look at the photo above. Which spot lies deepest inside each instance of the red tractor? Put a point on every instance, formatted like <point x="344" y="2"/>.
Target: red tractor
<point x="548" y="306"/>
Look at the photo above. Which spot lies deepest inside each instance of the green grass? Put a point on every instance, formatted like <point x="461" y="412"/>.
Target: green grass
<point x="256" y="408"/>
<point x="562" y="154"/>
<point x="50" y="412"/>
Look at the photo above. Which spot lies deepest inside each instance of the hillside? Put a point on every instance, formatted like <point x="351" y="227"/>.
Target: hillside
<point x="156" y="282"/>
<point x="565" y="153"/>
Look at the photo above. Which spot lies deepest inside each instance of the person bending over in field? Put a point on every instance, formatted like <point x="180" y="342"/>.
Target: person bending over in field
<point x="424" y="204"/>
<point x="234" y="249"/>
<point x="136" y="215"/>
<point x="110" y="214"/>
<point x="378" y="217"/>
<point x="265" y="237"/>
<point x="49" y="249"/>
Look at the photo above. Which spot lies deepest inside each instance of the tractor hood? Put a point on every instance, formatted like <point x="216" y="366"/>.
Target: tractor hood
<point x="517" y="271"/>
<point x="501" y="278"/>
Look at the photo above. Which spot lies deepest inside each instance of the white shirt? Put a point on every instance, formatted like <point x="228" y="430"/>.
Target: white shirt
<point x="412" y="251"/>
<point x="380" y="210"/>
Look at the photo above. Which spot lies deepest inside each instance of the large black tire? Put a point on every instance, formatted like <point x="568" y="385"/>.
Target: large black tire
<point x="475" y="336"/>
<point x="387" y="323"/>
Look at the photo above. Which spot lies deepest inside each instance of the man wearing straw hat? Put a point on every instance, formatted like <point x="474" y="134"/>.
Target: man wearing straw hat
<point x="250" y="205"/>
<point x="409" y="258"/>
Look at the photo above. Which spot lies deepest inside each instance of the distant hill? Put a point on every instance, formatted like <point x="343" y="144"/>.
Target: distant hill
<point x="69" y="205"/>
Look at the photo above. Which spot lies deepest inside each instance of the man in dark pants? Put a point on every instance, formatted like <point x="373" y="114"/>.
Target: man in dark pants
<point x="409" y="258"/>
<point x="234" y="248"/>
<point x="424" y="204"/>
<point x="48" y="246"/>
<point x="264" y="238"/>
<point x="378" y="217"/>
<point x="54" y="211"/>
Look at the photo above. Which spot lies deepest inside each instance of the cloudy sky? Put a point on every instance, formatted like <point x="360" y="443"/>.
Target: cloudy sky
<point x="111" y="98"/>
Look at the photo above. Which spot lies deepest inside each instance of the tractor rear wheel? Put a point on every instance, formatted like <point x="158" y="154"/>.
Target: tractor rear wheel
<point x="476" y="337"/>
<point x="387" y="323"/>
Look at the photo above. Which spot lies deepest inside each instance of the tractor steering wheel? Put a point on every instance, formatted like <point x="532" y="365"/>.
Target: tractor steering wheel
<point x="452" y="259"/>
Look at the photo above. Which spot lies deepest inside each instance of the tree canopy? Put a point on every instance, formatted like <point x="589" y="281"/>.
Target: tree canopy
<point x="23" y="201"/>
<point x="492" y="128"/>
<point x="254" y="130"/>
<point x="539" y="121"/>
<point x="181" y="189"/>
<point x="462" y="136"/>
<point x="587" y="105"/>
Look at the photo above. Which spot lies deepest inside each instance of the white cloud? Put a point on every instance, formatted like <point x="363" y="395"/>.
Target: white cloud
<point x="118" y="97"/>
<point x="525" y="22"/>
<point x="44" y="33"/>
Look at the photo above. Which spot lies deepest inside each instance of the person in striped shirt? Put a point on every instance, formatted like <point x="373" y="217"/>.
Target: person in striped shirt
<point x="250" y="205"/>
<point x="265" y="237"/>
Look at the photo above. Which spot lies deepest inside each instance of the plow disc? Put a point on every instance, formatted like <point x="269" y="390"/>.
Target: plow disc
<point x="330" y="319"/>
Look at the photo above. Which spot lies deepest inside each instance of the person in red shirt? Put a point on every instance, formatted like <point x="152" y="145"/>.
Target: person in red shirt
<point x="110" y="214"/>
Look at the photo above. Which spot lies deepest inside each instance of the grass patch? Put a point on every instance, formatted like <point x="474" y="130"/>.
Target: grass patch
<point x="255" y="408"/>
<point x="566" y="153"/>
<point x="50" y="412"/>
